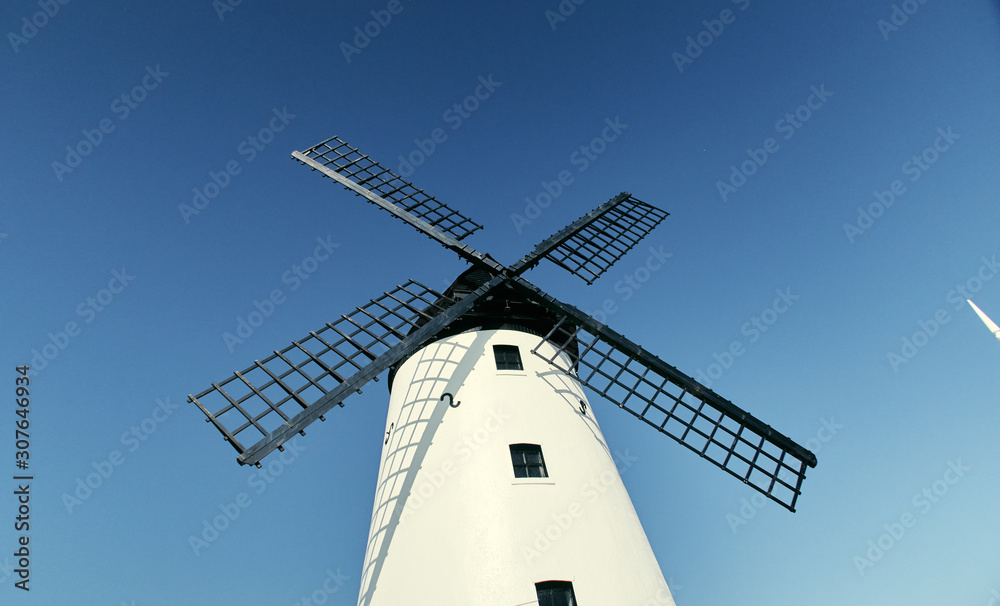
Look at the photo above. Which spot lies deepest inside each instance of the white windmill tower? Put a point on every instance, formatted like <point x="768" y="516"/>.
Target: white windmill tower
<point x="496" y="485"/>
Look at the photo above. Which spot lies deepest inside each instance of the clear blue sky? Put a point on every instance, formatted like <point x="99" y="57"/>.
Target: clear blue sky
<point x="822" y="109"/>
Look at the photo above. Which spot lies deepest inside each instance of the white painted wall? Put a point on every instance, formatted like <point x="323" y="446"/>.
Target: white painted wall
<point x="451" y="524"/>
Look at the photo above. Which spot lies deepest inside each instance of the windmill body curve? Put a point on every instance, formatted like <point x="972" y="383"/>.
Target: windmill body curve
<point x="453" y="524"/>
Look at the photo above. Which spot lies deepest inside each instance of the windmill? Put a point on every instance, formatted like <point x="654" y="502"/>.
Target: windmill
<point x="495" y="483"/>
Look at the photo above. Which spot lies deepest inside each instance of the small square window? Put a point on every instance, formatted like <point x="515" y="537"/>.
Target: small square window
<point x="555" y="593"/>
<point x="508" y="357"/>
<point x="528" y="461"/>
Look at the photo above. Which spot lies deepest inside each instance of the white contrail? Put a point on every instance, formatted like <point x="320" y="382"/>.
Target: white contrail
<point x="989" y="323"/>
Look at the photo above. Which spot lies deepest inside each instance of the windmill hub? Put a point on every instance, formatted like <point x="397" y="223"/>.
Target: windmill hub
<point x="505" y="307"/>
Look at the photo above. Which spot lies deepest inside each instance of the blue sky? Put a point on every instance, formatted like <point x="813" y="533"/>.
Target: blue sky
<point x="830" y="170"/>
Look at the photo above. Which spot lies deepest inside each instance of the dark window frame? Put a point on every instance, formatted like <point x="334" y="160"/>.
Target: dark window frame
<point x="528" y="461"/>
<point x="555" y="593"/>
<point x="507" y="357"/>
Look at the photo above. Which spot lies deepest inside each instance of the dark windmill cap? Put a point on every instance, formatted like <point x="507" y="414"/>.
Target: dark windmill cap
<point x="504" y="308"/>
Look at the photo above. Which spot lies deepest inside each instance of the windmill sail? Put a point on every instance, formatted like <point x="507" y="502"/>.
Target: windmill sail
<point x="589" y="246"/>
<point x="278" y="397"/>
<point x="676" y="405"/>
<point x="347" y="162"/>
